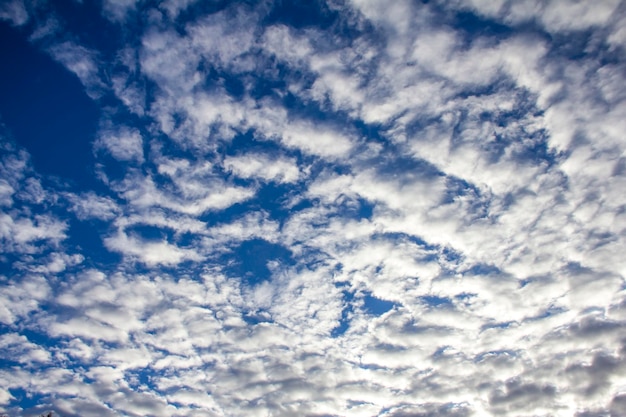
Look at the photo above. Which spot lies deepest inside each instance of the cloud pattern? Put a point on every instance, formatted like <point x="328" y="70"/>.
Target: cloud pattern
<point x="328" y="208"/>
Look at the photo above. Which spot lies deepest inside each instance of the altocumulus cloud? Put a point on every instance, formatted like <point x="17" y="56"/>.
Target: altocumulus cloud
<point x="326" y="208"/>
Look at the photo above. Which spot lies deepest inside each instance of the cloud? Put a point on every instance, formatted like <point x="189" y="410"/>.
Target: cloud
<point x="21" y="297"/>
<point x="149" y="252"/>
<point x="24" y="234"/>
<point x="14" y="12"/>
<point x="566" y="16"/>
<point x="82" y="62"/>
<point x="316" y="141"/>
<point x="123" y="143"/>
<point x="187" y="194"/>
<point x="117" y="10"/>
<point x="22" y="351"/>
<point x="340" y="208"/>
<point x="57" y="262"/>
<point x="6" y="191"/>
<point x="263" y="167"/>
<point x="92" y="206"/>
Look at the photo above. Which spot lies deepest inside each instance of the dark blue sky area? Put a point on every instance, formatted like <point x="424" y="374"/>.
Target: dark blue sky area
<point x="46" y="110"/>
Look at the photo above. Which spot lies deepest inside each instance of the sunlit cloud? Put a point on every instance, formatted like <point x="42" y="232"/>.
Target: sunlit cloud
<point x="339" y="208"/>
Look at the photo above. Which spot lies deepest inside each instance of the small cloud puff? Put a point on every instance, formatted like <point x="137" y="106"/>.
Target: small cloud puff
<point x="263" y="167"/>
<point x="151" y="253"/>
<point x="82" y="62"/>
<point x="14" y="12"/>
<point x="122" y="143"/>
<point x="92" y="206"/>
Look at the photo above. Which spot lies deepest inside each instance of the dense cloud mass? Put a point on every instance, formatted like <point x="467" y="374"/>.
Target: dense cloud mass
<point x="313" y="208"/>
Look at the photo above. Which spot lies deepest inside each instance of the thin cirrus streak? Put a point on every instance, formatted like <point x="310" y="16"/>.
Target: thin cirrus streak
<point x="330" y="208"/>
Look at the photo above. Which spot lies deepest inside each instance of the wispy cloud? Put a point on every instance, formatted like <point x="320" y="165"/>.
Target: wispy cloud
<point x="263" y="167"/>
<point x="122" y="143"/>
<point x="82" y="62"/>
<point x="14" y="12"/>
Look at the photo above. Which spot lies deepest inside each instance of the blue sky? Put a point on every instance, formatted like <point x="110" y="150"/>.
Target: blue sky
<point x="320" y="208"/>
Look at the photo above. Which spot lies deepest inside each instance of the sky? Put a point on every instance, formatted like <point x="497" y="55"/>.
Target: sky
<point x="313" y="208"/>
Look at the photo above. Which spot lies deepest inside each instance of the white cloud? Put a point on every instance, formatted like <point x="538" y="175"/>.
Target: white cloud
<point x="568" y="15"/>
<point x="27" y="235"/>
<point x="471" y="180"/>
<point x="264" y="167"/>
<point x="123" y="143"/>
<point x="82" y="62"/>
<point x="132" y="95"/>
<point x="92" y="206"/>
<point x="20" y="350"/>
<point x="222" y="38"/>
<point x="188" y="195"/>
<point x="317" y="140"/>
<point x="250" y="226"/>
<point x="58" y="262"/>
<point x="151" y="253"/>
<point x="6" y="191"/>
<point x="21" y="297"/>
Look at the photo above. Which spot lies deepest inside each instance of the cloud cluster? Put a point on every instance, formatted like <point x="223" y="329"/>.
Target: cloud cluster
<point x="353" y="208"/>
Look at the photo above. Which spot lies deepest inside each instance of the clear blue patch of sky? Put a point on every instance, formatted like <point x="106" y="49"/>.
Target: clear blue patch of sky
<point x="474" y="26"/>
<point x="6" y="265"/>
<point x="46" y="110"/>
<point x="376" y="306"/>
<point x="464" y="296"/>
<point x="496" y="325"/>
<point x="230" y="214"/>
<point x="26" y="399"/>
<point x="203" y="8"/>
<point x="302" y="14"/>
<point x="348" y="309"/>
<point x="390" y="165"/>
<point x="315" y="111"/>
<point x="253" y="319"/>
<point x="249" y="260"/>
<point x="273" y="198"/>
<point x="85" y="236"/>
<point x="84" y="20"/>
<point x="149" y="232"/>
<point x="113" y="169"/>
<point x="404" y="237"/>
<point x="366" y="209"/>
<point x="435" y="301"/>
<point x="484" y="269"/>
<point x="249" y="142"/>
<point x="38" y="337"/>
<point x="268" y="84"/>
<point x="372" y="132"/>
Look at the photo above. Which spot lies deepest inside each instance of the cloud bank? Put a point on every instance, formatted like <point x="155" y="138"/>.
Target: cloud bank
<point x="334" y="208"/>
